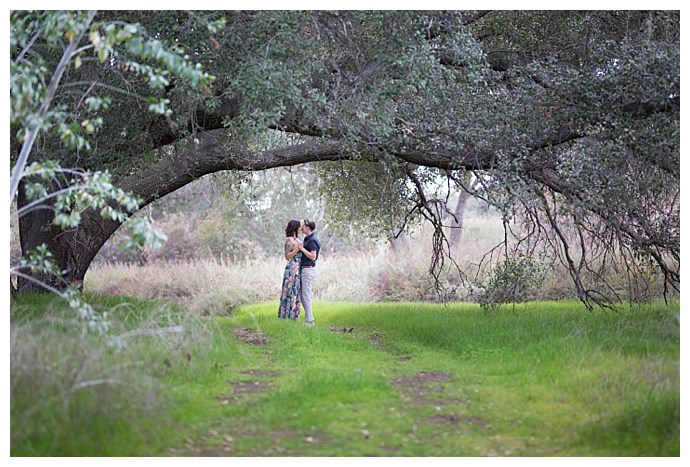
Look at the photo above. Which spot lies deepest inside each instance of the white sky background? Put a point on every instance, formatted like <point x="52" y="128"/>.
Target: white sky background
<point x="333" y="4"/>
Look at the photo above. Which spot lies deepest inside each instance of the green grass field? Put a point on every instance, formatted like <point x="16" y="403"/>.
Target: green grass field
<point x="392" y="379"/>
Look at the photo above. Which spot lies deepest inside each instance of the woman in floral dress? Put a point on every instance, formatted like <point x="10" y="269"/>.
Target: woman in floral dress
<point x="290" y="294"/>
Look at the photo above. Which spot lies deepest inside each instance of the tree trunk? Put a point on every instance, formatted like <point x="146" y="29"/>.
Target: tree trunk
<point x="457" y="221"/>
<point x="35" y="229"/>
<point x="72" y="250"/>
<point x="458" y="217"/>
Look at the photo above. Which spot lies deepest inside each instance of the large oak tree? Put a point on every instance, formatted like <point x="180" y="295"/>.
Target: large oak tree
<point x="570" y="118"/>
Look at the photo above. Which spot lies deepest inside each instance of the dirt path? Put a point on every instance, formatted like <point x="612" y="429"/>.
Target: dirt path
<point x="424" y="394"/>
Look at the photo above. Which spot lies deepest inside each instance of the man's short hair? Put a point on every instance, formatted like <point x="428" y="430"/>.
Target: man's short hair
<point x="310" y="224"/>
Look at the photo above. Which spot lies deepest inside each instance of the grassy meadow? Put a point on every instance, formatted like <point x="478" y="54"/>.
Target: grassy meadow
<point x="385" y="379"/>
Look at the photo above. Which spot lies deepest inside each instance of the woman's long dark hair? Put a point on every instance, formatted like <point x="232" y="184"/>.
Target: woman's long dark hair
<point x="292" y="228"/>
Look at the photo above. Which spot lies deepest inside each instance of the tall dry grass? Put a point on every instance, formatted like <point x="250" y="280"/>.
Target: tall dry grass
<point x="378" y="272"/>
<point x="374" y="273"/>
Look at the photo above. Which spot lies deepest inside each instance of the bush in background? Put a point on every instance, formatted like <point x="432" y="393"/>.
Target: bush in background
<point x="513" y="280"/>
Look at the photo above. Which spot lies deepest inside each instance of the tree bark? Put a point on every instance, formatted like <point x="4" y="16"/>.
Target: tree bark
<point x="72" y="250"/>
<point x="35" y="229"/>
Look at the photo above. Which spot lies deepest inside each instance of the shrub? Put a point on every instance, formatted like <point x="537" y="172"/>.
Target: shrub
<point x="512" y="280"/>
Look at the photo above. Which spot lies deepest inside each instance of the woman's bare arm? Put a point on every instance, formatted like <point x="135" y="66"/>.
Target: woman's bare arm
<point x="291" y="249"/>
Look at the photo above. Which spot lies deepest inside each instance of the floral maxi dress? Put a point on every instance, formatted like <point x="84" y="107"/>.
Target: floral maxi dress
<point x="290" y="294"/>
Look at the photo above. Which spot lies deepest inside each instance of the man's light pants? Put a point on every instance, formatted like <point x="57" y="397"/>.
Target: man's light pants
<point x="308" y="276"/>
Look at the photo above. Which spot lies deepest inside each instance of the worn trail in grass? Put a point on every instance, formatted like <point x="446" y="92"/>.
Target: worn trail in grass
<point x="394" y="379"/>
<point x="411" y="379"/>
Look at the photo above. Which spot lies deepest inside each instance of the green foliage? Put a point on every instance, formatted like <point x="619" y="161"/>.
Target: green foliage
<point x="143" y="234"/>
<point x="95" y="191"/>
<point x="373" y="199"/>
<point x="512" y="280"/>
<point x="126" y="45"/>
<point x="29" y="78"/>
<point x="37" y="39"/>
<point x="39" y="260"/>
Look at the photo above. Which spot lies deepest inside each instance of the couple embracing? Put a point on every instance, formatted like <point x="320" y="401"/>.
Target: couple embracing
<point x="300" y="270"/>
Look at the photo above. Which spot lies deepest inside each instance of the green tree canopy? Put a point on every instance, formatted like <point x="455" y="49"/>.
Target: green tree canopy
<point x="569" y="118"/>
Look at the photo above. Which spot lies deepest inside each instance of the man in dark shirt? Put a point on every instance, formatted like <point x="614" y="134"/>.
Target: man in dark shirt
<point x="310" y="253"/>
